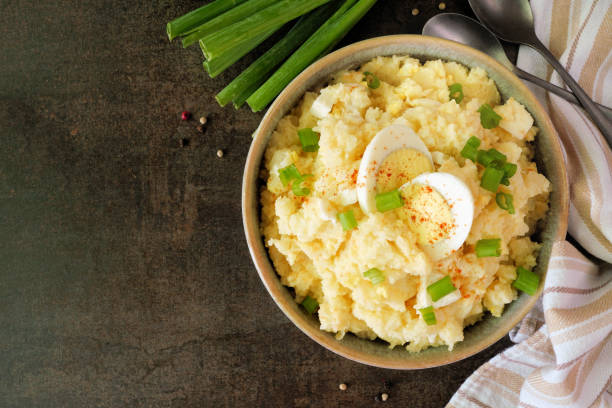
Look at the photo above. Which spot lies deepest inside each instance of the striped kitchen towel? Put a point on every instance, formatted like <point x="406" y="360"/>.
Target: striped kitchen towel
<point x="564" y="353"/>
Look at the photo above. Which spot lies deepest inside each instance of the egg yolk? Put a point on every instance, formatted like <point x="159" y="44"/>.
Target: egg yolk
<point x="426" y="213"/>
<point x="400" y="167"/>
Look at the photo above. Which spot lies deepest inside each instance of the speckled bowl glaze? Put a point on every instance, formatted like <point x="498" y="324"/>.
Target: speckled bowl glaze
<point x="549" y="160"/>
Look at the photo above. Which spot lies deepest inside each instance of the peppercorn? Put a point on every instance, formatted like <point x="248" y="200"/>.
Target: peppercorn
<point x="186" y="115"/>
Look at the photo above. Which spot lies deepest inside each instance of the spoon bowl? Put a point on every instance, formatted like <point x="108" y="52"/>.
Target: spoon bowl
<point x="509" y="20"/>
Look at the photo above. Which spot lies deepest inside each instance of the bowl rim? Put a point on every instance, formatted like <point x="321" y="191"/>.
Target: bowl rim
<point x="261" y="260"/>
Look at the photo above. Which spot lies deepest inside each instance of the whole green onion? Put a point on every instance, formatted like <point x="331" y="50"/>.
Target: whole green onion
<point x="321" y="41"/>
<point x="488" y="247"/>
<point x="441" y="288"/>
<point x="251" y="78"/>
<point x="216" y="66"/>
<point x="526" y="281"/>
<point x="389" y="200"/>
<point x="189" y="21"/>
<point x="226" y="19"/>
<point x="229" y="37"/>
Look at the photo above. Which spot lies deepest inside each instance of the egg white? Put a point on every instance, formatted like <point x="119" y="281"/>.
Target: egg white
<point x="387" y="141"/>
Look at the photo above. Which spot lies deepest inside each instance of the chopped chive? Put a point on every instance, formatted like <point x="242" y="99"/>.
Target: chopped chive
<point x="470" y="150"/>
<point x="489" y="119"/>
<point x="441" y="288"/>
<point x="526" y="281"/>
<point x="310" y="304"/>
<point x="456" y="92"/>
<point x="187" y="23"/>
<point x="491" y="179"/>
<point x="322" y="41"/>
<point x="371" y="79"/>
<point x="488" y="247"/>
<point x="309" y="139"/>
<point x="504" y="201"/>
<point x="289" y="173"/>
<point x="429" y="315"/>
<point x="389" y="201"/>
<point x="375" y="275"/>
<point x="347" y="219"/>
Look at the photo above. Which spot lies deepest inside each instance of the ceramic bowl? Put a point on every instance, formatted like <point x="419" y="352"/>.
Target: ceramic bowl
<point x="549" y="160"/>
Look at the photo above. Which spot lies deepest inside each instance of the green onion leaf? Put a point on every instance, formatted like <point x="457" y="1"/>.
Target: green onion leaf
<point x="509" y="171"/>
<point x="190" y="21"/>
<point x="371" y="79"/>
<point x="504" y="201"/>
<point x="389" y="201"/>
<point x="484" y="157"/>
<point x="309" y="139"/>
<point x="470" y="150"/>
<point x="491" y="179"/>
<point x="526" y="281"/>
<point x="289" y="173"/>
<point x="375" y="275"/>
<point x="497" y="155"/>
<point x="488" y="118"/>
<point x="488" y="247"/>
<point x="310" y="304"/>
<point x="347" y="219"/>
<point x="441" y="288"/>
<point x="456" y="93"/>
<point x="428" y="315"/>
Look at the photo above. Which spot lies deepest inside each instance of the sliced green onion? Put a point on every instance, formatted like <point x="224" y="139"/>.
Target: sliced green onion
<point x="497" y="155"/>
<point x="347" y="219"/>
<point x="226" y="19"/>
<point x="470" y="150"/>
<point x="309" y="139"/>
<point x="389" y="201"/>
<point x="484" y="157"/>
<point x="371" y="79"/>
<point x="279" y="12"/>
<point x="509" y="171"/>
<point x="289" y="173"/>
<point x="323" y="40"/>
<point x="526" y="281"/>
<point x="488" y="247"/>
<point x="504" y="201"/>
<point x="429" y="315"/>
<point x="489" y="119"/>
<point x="456" y="93"/>
<point x="310" y="304"/>
<point x="190" y="21"/>
<point x="298" y="190"/>
<point x="491" y="179"/>
<point x="441" y="288"/>
<point x="243" y="86"/>
<point x="375" y="275"/>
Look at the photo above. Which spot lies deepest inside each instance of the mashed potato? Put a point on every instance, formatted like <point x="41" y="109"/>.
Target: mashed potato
<point x="314" y="254"/>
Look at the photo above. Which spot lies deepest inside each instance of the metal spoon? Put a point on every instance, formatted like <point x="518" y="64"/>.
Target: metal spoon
<point x="462" y="29"/>
<point x="513" y="21"/>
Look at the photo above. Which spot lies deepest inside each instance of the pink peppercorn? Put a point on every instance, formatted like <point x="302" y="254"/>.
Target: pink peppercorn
<point x="185" y="115"/>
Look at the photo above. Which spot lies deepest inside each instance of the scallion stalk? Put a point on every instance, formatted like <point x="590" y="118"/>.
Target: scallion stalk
<point x="488" y="247"/>
<point x="235" y="15"/>
<point x="441" y="288"/>
<point x="429" y="315"/>
<point x="228" y="38"/>
<point x="330" y="33"/>
<point x="216" y="66"/>
<point x="251" y="78"/>
<point x="526" y="281"/>
<point x="185" y="24"/>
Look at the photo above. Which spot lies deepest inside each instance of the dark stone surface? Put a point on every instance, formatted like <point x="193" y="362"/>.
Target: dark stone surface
<point x="125" y="279"/>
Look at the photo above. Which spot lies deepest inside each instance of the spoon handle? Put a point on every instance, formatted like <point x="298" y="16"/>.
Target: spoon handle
<point x="604" y="125"/>
<point x="557" y="90"/>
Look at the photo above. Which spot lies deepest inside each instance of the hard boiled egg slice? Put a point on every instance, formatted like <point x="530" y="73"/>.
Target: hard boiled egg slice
<point x="394" y="156"/>
<point x="439" y="209"/>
